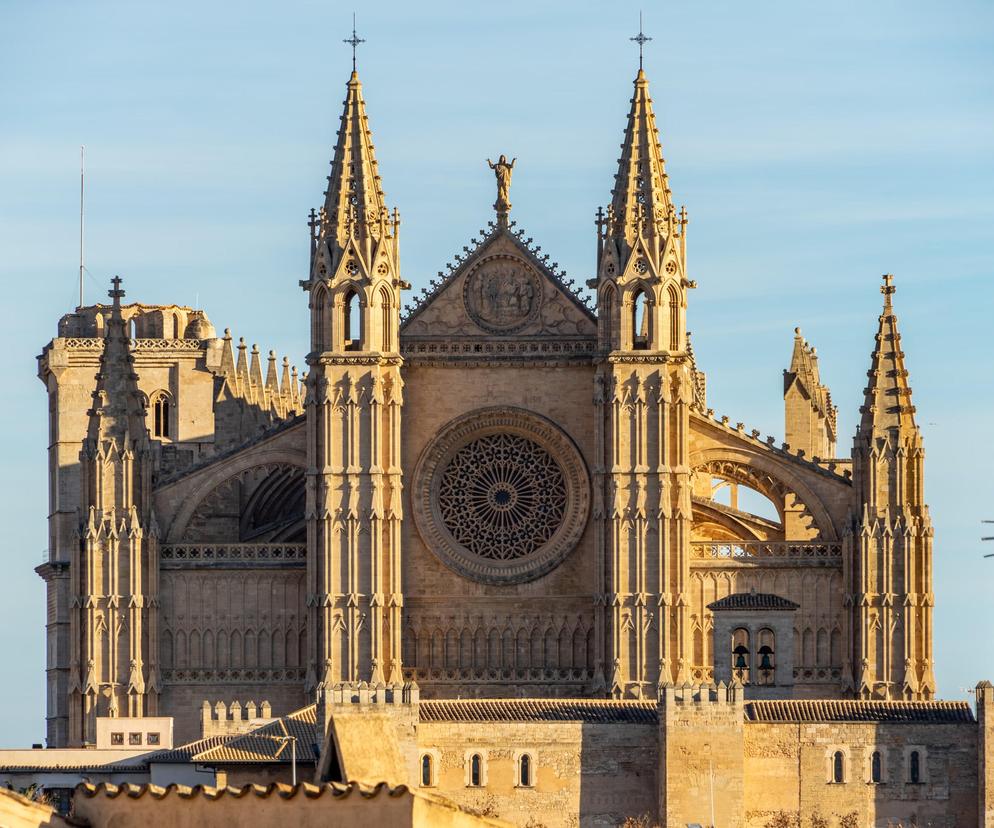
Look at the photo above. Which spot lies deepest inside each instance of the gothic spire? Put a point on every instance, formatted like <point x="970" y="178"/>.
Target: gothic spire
<point x="118" y="411"/>
<point x="641" y="200"/>
<point x="354" y="202"/>
<point x="887" y="397"/>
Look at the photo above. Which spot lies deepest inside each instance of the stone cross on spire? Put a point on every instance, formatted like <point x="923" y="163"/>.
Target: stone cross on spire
<point x="887" y="288"/>
<point x="353" y="41"/>
<point x="641" y="39"/>
<point x="116" y="293"/>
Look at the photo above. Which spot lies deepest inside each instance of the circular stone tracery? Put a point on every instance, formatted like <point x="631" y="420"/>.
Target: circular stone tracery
<point x="501" y="496"/>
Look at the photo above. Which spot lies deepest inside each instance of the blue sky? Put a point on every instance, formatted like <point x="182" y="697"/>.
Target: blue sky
<point x="816" y="146"/>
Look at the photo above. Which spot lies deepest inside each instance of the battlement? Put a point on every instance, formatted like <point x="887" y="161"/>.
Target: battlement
<point x="233" y="719"/>
<point x="144" y="322"/>
<point x="703" y="694"/>
<point x="361" y="693"/>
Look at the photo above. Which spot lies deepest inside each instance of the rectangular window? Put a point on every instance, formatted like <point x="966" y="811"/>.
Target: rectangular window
<point x="117" y="738"/>
<point x="134" y="738"/>
<point x="152" y="739"/>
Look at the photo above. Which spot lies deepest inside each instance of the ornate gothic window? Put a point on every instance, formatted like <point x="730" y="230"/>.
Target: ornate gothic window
<point x="640" y="321"/>
<point x="501" y="496"/>
<point x="352" y="322"/>
<point x="161" y="415"/>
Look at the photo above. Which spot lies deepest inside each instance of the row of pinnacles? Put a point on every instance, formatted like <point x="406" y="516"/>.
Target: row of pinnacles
<point x="234" y="719"/>
<point x="280" y="393"/>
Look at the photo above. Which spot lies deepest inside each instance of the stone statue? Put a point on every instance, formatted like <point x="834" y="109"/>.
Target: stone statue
<point x="502" y="171"/>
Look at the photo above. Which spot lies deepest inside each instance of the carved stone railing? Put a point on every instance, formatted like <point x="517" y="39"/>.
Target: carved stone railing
<point x="233" y="555"/>
<point x="234" y="675"/>
<point x="144" y="344"/>
<point x="769" y="553"/>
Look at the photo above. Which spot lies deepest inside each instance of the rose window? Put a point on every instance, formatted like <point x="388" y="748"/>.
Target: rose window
<point x="502" y="496"/>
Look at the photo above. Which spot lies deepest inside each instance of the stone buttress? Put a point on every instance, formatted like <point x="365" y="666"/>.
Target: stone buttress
<point x="354" y="398"/>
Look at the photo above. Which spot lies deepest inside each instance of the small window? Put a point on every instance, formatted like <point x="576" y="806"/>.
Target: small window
<point x="134" y="738"/>
<point x="476" y="770"/>
<point x="152" y="739"/>
<point x="117" y="738"/>
<point x="426" y="771"/>
<point x="161" y="416"/>
<point x="353" y="322"/>
<point x="640" y="321"/>
<point x="876" y="768"/>
<point x="525" y="771"/>
<point x="915" y="768"/>
<point x="838" y="768"/>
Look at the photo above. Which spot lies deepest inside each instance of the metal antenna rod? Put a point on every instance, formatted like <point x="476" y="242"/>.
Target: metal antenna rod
<point x="82" y="151"/>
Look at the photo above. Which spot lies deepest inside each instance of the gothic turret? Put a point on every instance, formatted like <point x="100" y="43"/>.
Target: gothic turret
<point x="644" y="389"/>
<point x="890" y="545"/>
<point x="641" y="251"/>
<point x="114" y="572"/>
<point x="809" y="416"/>
<point x="354" y="398"/>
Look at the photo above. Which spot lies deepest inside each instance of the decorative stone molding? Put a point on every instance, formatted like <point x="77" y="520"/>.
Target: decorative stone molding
<point x="532" y="499"/>
<point x="181" y="555"/>
<point x="234" y="675"/>
<point x="759" y="552"/>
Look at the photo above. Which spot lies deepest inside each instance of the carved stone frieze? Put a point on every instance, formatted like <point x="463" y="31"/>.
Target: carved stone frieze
<point x="502" y="293"/>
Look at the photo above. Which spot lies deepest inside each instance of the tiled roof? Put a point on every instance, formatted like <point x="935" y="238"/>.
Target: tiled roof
<point x="267" y="743"/>
<point x="753" y="601"/>
<point x="336" y="790"/>
<point x="539" y="710"/>
<point x="852" y="710"/>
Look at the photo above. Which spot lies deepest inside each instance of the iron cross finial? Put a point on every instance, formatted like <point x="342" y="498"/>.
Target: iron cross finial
<point x="641" y="39"/>
<point x="116" y="294"/>
<point x="353" y="41"/>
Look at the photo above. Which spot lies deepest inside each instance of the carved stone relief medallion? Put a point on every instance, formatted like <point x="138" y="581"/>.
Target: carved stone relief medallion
<point x="502" y="293"/>
<point x="501" y="495"/>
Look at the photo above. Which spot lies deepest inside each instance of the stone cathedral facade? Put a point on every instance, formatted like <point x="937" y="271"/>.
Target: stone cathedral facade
<point x="510" y="490"/>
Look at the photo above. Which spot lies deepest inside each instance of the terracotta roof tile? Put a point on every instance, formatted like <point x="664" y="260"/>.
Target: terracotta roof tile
<point x="753" y="601"/>
<point x="540" y="710"/>
<point x="852" y="710"/>
<point x="336" y="790"/>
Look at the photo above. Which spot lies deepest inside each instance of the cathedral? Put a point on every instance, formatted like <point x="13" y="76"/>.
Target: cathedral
<point x="503" y="504"/>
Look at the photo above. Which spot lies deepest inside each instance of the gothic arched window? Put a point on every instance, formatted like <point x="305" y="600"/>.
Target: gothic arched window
<point x="640" y="320"/>
<point x="352" y="322"/>
<point x="876" y="768"/>
<point x="427" y="774"/>
<point x="476" y="770"/>
<point x="674" y="319"/>
<point x="161" y="415"/>
<point x="766" y="668"/>
<point x="386" y="321"/>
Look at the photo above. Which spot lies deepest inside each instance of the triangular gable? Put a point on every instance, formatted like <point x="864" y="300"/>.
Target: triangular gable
<point x="501" y="288"/>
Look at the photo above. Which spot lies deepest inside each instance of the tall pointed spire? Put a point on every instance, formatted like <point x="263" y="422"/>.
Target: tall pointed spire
<point x="810" y="418"/>
<point x="354" y="201"/>
<point x="641" y="201"/>
<point x="887" y="396"/>
<point x="118" y="409"/>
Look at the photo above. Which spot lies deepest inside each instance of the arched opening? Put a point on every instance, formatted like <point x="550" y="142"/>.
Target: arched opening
<point x="426" y="771"/>
<point x="476" y="770"/>
<point x="525" y="771"/>
<point x="914" y="768"/>
<point x="386" y="321"/>
<point x="741" y="654"/>
<point x="766" y="668"/>
<point x="352" y="322"/>
<point x="161" y="415"/>
<point x="838" y="767"/>
<point x="876" y="768"/>
<point x="674" y="297"/>
<point x="607" y="318"/>
<point x="640" y="321"/>
<point x="319" y="321"/>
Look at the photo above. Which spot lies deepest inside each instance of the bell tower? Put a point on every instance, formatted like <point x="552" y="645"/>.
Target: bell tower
<point x="644" y="392"/>
<point x="354" y="399"/>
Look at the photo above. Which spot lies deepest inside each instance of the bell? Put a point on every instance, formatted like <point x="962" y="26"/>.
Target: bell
<point x="765" y="663"/>
<point x="740" y="662"/>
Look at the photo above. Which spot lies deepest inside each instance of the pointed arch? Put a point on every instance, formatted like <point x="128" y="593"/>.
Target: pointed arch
<point x="674" y="309"/>
<point x="352" y="319"/>
<point x="641" y="318"/>
<point x="320" y="319"/>
<point x="384" y="301"/>
<point x="609" y="327"/>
